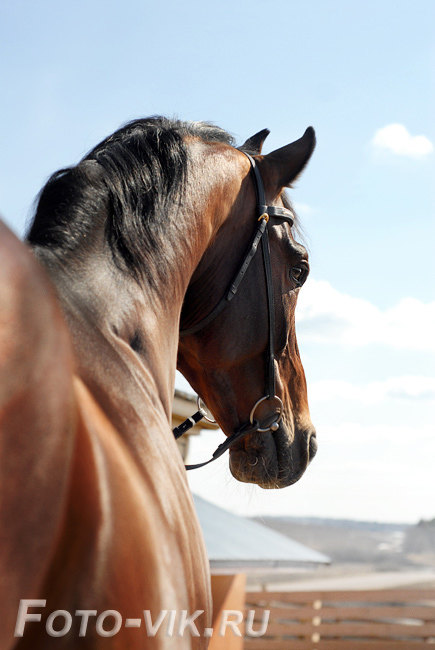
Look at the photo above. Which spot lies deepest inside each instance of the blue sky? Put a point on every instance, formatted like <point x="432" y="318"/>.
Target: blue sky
<point x="362" y="75"/>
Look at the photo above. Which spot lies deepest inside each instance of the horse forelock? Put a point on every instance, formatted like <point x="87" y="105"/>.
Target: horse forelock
<point x="135" y="188"/>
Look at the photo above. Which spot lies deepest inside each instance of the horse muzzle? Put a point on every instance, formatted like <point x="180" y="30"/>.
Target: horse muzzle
<point x="273" y="459"/>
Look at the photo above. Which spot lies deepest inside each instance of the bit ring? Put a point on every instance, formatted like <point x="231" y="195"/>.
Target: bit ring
<point x="273" y="426"/>
<point x="199" y="401"/>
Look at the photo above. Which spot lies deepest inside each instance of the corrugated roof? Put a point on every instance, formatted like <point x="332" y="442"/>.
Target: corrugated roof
<point x="234" y="541"/>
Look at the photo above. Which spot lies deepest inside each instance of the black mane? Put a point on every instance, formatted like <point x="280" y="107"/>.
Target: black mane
<point x="130" y="181"/>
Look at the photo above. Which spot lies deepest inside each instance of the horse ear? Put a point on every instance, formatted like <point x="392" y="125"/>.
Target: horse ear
<point x="288" y="162"/>
<point x="254" y="144"/>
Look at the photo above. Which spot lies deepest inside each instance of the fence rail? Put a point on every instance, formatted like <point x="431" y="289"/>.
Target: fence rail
<point x="344" y="620"/>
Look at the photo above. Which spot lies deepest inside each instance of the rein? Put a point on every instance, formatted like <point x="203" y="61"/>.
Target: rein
<point x="263" y="214"/>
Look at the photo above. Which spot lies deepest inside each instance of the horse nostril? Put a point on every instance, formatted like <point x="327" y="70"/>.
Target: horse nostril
<point x="312" y="446"/>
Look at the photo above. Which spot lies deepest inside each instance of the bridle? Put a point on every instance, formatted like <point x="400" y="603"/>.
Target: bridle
<point x="263" y="214"/>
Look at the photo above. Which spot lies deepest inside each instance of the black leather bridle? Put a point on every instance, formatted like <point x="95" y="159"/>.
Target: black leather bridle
<point x="263" y="214"/>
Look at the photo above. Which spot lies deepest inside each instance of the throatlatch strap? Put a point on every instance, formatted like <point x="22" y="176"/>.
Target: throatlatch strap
<point x="271" y="210"/>
<point x="234" y="287"/>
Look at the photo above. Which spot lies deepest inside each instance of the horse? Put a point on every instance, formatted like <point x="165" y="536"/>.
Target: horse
<point x="125" y="260"/>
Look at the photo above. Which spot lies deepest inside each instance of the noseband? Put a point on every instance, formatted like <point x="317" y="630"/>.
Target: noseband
<point x="263" y="215"/>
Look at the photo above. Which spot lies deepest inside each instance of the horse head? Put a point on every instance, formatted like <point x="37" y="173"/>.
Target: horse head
<point x="148" y="234"/>
<point x="240" y="352"/>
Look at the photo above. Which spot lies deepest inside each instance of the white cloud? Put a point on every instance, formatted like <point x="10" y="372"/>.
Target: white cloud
<point x="408" y="387"/>
<point x="326" y="315"/>
<point x="397" y="139"/>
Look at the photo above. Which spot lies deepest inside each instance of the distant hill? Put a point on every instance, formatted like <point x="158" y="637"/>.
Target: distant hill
<point x="335" y="523"/>
<point x="385" y="546"/>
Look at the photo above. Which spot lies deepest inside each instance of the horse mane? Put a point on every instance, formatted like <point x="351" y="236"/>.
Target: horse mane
<point x="131" y="182"/>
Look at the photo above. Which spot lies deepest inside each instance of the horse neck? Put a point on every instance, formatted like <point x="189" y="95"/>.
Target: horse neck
<point x="125" y="335"/>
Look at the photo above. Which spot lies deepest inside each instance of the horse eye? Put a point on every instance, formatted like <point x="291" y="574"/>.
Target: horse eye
<point x="299" y="274"/>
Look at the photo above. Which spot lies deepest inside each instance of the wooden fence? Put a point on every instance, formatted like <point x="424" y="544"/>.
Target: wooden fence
<point x="343" y="620"/>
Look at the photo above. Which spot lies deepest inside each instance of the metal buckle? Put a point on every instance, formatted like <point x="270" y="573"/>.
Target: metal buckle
<point x="201" y="408"/>
<point x="275" y="425"/>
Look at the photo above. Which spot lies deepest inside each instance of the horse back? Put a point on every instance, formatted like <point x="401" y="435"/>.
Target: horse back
<point x="37" y="420"/>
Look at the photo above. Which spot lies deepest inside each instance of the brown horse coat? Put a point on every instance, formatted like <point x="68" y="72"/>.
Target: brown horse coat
<point x="82" y="525"/>
<point x="95" y="510"/>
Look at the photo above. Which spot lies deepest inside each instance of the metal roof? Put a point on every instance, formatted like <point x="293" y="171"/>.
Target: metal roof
<point x="238" y="542"/>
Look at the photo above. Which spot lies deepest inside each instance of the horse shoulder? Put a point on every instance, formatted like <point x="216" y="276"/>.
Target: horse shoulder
<point x="115" y="531"/>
